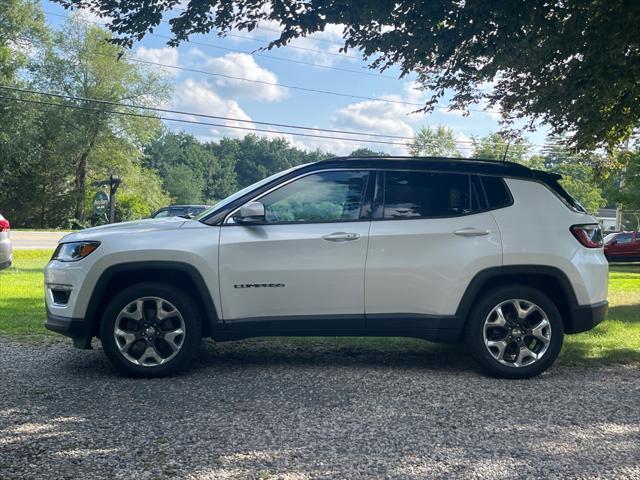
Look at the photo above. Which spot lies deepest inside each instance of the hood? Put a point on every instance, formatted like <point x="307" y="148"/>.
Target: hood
<point x="137" y="226"/>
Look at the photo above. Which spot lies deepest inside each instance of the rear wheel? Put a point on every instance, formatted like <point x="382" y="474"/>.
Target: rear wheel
<point x="151" y="330"/>
<point x="515" y="332"/>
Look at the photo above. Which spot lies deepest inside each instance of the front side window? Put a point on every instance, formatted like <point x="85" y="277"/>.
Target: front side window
<point x="624" y="238"/>
<point x="428" y="194"/>
<point x="162" y="214"/>
<point x="320" y="197"/>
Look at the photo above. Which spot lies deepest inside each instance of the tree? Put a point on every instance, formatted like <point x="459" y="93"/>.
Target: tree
<point x="438" y="142"/>
<point x="570" y="63"/>
<point x="255" y="158"/>
<point x="183" y="184"/>
<point x="367" y="152"/>
<point x="494" y="146"/>
<point x="21" y="24"/>
<point x="52" y="148"/>
<point x="184" y="164"/>
<point x="82" y="63"/>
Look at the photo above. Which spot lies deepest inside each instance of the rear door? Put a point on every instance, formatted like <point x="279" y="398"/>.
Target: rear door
<point x="304" y="266"/>
<point x="429" y="236"/>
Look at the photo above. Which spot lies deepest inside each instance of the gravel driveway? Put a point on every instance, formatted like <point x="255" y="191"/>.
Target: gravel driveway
<point x="304" y="409"/>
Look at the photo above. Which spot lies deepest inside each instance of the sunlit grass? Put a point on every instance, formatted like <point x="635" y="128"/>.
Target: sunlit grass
<point x="617" y="339"/>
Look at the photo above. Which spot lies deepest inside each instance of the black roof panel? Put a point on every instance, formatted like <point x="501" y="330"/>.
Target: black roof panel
<point x="462" y="165"/>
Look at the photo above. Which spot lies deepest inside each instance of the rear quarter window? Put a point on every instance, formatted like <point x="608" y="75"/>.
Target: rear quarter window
<point x="497" y="193"/>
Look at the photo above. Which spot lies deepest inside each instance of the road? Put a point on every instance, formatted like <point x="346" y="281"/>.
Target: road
<point x="33" y="240"/>
<point x="295" y="409"/>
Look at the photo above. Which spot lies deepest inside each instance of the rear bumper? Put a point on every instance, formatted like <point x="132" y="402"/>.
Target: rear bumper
<point x="77" y="328"/>
<point x="585" y="317"/>
<point x="5" y="264"/>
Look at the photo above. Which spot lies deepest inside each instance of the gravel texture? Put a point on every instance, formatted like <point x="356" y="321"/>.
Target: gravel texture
<point x="295" y="409"/>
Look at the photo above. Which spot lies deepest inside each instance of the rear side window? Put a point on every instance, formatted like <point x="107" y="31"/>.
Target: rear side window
<point x="498" y="195"/>
<point x="428" y="194"/>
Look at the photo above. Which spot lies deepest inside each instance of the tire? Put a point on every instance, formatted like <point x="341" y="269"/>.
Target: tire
<point x="499" y="349"/>
<point x="154" y="316"/>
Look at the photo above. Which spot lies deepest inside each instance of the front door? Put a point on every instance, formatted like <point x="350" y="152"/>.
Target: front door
<point x="303" y="267"/>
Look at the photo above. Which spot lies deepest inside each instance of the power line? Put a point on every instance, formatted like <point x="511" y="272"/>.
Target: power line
<point x="277" y="84"/>
<point x="203" y="115"/>
<point x="195" y="122"/>
<point x="326" y="40"/>
<point x="248" y="52"/>
<point x="295" y="47"/>
<point x="182" y="112"/>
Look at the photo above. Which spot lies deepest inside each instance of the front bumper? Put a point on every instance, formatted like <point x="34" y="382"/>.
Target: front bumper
<point x="586" y="317"/>
<point x="77" y="328"/>
<point x="5" y="264"/>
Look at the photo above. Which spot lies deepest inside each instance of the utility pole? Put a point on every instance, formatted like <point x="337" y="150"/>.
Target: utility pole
<point x="114" y="183"/>
<point x="622" y="174"/>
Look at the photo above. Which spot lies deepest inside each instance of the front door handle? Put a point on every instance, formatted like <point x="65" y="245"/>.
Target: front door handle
<point x="341" y="237"/>
<point x="471" y="232"/>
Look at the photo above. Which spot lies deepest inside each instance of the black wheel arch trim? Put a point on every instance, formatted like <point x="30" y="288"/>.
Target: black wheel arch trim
<point x="577" y="320"/>
<point x="210" y="313"/>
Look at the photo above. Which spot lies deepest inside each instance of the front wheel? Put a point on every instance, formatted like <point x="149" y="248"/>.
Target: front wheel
<point x="515" y="332"/>
<point x="150" y="330"/>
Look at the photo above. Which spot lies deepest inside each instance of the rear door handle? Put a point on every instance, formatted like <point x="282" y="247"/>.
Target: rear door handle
<point x="471" y="232"/>
<point x="341" y="237"/>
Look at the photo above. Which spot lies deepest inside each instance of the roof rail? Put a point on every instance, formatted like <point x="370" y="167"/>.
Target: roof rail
<point x="427" y="159"/>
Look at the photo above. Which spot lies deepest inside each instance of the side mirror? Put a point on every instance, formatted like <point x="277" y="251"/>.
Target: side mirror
<point x="252" y="212"/>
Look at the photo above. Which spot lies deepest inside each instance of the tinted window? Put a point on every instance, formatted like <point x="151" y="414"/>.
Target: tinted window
<point x="496" y="191"/>
<point x="428" y="194"/>
<point x="321" y="197"/>
<point x="176" y="212"/>
<point x="624" y="238"/>
<point x="196" y="210"/>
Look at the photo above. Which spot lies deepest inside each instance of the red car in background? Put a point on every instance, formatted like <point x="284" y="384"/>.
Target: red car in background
<point x="5" y="244"/>
<point x="622" y="247"/>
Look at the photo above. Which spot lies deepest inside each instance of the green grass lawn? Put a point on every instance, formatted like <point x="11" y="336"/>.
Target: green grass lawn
<point x="616" y="340"/>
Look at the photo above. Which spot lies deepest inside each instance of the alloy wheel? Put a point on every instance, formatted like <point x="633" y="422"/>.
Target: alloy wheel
<point x="149" y="331"/>
<point x="517" y="333"/>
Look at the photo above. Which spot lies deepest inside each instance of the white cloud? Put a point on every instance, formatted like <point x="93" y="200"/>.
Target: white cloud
<point x="464" y="144"/>
<point x="165" y="55"/>
<point x="322" y="48"/>
<point x="198" y="97"/>
<point x="90" y="17"/>
<point x="244" y="66"/>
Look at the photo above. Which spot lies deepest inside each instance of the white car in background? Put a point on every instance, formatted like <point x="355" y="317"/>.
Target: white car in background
<point x="442" y="249"/>
<point x="6" y="251"/>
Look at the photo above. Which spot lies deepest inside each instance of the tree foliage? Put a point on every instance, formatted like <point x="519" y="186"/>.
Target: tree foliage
<point x="573" y="64"/>
<point x="52" y="148"/>
<point x="367" y="152"/>
<point x="21" y="24"/>
<point x="434" y="142"/>
<point x="496" y="147"/>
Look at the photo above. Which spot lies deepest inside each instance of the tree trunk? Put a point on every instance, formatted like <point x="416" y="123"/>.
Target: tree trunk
<point x="80" y="186"/>
<point x="81" y="167"/>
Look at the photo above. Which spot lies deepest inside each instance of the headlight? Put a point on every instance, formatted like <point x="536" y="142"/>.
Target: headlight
<point x="74" y="251"/>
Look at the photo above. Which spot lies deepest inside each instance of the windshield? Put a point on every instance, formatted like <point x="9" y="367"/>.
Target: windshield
<point x="244" y="191"/>
<point x="609" y="237"/>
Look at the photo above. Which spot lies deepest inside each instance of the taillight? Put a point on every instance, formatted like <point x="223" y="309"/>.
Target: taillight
<point x="588" y="235"/>
<point x="4" y="225"/>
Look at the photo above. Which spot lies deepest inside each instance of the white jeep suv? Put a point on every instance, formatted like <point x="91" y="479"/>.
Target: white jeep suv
<point x="435" y="248"/>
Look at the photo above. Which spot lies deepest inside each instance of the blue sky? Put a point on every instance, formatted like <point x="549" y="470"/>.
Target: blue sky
<point x="211" y="95"/>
